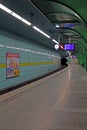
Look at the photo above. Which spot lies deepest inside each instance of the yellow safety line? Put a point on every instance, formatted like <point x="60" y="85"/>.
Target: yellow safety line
<point x="37" y="63"/>
<point x="2" y="65"/>
<point x="31" y="64"/>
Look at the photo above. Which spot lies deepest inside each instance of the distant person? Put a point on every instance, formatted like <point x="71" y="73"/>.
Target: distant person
<point x="64" y="61"/>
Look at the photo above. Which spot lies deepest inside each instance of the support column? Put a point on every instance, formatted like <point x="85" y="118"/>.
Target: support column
<point x="86" y="62"/>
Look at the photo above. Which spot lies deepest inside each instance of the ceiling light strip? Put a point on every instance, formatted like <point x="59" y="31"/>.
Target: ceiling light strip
<point x="5" y="8"/>
<point x="40" y="31"/>
<point x="1" y="45"/>
<point x="14" y="14"/>
<point x="55" y="41"/>
<point x="24" y="21"/>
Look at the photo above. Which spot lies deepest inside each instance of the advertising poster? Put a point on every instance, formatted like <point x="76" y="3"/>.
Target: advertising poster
<point x="12" y="66"/>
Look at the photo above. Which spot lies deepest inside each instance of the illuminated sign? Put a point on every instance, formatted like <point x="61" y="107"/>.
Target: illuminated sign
<point x="12" y="66"/>
<point x="69" y="46"/>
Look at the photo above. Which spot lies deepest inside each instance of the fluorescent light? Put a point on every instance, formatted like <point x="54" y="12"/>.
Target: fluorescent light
<point x="5" y="8"/>
<point x="76" y="14"/>
<point x="25" y="21"/>
<point x="22" y="49"/>
<point x="12" y="47"/>
<point x="16" y="15"/>
<point x="33" y="51"/>
<point x="1" y="45"/>
<point x="37" y="29"/>
<point x="27" y="50"/>
<point x="22" y="19"/>
<point x="9" y="47"/>
<point x="55" y="41"/>
<point x="57" y="25"/>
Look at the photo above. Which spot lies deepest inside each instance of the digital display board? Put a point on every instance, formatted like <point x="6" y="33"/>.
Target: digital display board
<point x="69" y="46"/>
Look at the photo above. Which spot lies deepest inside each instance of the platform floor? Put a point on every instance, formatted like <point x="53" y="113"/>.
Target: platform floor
<point x="56" y="102"/>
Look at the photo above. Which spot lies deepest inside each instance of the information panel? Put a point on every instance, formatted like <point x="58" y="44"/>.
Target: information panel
<point x="69" y="47"/>
<point x="12" y="65"/>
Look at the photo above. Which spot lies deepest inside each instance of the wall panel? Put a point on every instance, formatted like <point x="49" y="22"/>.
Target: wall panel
<point x="35" y="59"/>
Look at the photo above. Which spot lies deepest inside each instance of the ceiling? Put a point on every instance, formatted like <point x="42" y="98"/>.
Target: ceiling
<point x="69" y="16"/>
<point x="25" y="9"/>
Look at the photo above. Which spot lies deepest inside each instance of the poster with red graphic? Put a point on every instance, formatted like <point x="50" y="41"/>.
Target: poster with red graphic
<point x="12" y="65"/>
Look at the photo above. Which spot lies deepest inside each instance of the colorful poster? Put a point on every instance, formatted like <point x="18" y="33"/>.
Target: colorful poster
<point x="12" y="66"/>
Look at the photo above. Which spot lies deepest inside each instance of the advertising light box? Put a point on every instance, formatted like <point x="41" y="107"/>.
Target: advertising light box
<point x="12" y="65"/>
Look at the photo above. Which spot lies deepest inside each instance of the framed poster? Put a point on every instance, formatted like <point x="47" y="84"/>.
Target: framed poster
<point x="12" y="65"/>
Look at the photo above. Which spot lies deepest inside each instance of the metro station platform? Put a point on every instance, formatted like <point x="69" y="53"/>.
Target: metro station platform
<point x="56" y="102"/>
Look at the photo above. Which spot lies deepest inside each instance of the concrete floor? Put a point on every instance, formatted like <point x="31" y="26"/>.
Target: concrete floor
<point x="57" y="102"/>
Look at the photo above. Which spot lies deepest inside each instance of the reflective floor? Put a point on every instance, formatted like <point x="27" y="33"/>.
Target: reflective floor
<point x="56" y="102"/>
